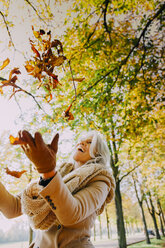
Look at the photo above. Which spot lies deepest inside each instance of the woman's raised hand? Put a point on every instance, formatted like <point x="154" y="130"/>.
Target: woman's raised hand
<point x="42" y="155"/>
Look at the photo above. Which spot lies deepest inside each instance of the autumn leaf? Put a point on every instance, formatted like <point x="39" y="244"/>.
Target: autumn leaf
<point x="16" y="141"/>
<point x="77" y="79"/>
<point x="58" y="60"/>
<point x="36" y="33"/>
<point x="5" y="63"/>
<point x="58" y="45"/>
<point x="35" y="50"/>
<point x="45" y="59"/>
<point x="1" y="91"/>
<point x="68" y="114"/>
<point x="29" y="68"/>
<point x="12" y="79"/>
<point x="42" y="32"/>
<point x="14" y="71"/>
<point x="14" y="173"/>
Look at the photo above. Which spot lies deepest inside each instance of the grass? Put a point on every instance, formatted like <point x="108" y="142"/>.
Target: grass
<point x="155" y="243"/>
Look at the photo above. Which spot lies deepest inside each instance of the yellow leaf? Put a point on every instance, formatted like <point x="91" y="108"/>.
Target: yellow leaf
<point x="77" y="79"/>
<point x="5" y="63"/>
<point x="58" y="61"/>
<point x="1" y="91"/>
<point x="29" y="68"/>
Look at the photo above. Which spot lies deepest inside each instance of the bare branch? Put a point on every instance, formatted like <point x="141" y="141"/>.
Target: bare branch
<point x="130" y="172"/>
<point x="20" y="89"/>
<point x="73" y="80"/>
<point x="105" y="20"/>
<point x="4" y="19"/>
<point x="31" y="5"/>
<point x="143" y="32"/>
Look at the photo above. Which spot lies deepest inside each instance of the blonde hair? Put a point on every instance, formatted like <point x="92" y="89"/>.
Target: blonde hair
<point x="99" y="150"/>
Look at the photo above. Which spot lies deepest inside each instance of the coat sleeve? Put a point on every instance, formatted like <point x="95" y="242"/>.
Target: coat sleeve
<point x="71" y="209"/>
<point x="10" y="205"/>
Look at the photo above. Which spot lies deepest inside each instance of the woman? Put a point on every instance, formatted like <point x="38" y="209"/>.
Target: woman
<point x="63" y="204"/>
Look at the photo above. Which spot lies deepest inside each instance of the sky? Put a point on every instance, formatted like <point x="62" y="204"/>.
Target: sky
<point x="22" y="16"/>
<point x="8" y="113"/>
<point x="9" y="109"/>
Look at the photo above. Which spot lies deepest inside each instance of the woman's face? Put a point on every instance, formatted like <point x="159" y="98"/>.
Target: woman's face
<point x="81" y="154"/>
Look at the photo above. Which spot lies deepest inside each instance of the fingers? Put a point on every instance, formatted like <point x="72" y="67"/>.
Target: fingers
<point x="39" y="140"/>
<point x="54" y="143"/>
<point x="27" y="137"/>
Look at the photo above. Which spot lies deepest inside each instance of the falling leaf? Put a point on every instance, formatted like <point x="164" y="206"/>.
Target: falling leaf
<point x="42" y="32"/>
<point x="35" y="51"/>
<point x="48" y="55"/>
<point x="77" y="79"/>
<point x="14" y="71"/>
<point x="1" y="91"/>
<point x="36" y="34"/>
<point x="58" y="45"/>
<point x="68" y="114"/>
<point x="58" y="61"/>
<point x="16" y="174"/>
<point x="5" y="63"/>
<point x="16" y="141"/>
<point x="29" y="68"/>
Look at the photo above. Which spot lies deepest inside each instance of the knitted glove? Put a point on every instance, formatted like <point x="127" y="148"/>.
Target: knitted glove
<point x="42" y="155"/>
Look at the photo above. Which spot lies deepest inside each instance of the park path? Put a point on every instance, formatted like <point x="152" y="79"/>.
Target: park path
<point x="114" y="243"/>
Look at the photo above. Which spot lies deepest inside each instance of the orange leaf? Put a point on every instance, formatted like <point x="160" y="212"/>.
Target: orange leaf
<point x="42" y="32"/>
<point x="5" y="63"/>
<point x="68" y="108"/>
<point x="16" y="174"/>
<point x="77" y="79"/>
<point x="35" y="51"/>
<point x="1" y="91"/>
<point x="14" y="71"/>
<point x="49" y="97"/>
<point x="68" y="114"/>
<point x="70" y="117"/>
<point x="29" y="68"/>
<point x="16" y="141"/>
<point x="58" y="61"/>
<point x="58" y="45"/>
<point x="13" y="79"/>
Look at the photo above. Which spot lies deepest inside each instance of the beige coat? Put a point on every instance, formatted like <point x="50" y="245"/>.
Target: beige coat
<point x="76" y="215"/>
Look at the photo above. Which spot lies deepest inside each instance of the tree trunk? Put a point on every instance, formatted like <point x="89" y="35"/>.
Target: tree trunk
<point x="140" y="201"/>
<point x="118" y="199"/>
<point x="30" y="235"/>
<point x="144" y="223"/>
<point x="156" y="226"/>
<point x="120" y="218"/>
<point x="100" y="227"/>
<point x="94" y="230"/>
<point x="161" y="225"/>
<point x="30" y="229"/>
<point x="154" y="220"/>
<point x="161" y="211"/>
<point x="152" y="213"/>
<point x="107" y="219"/>
<point x="161" y="217"/>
